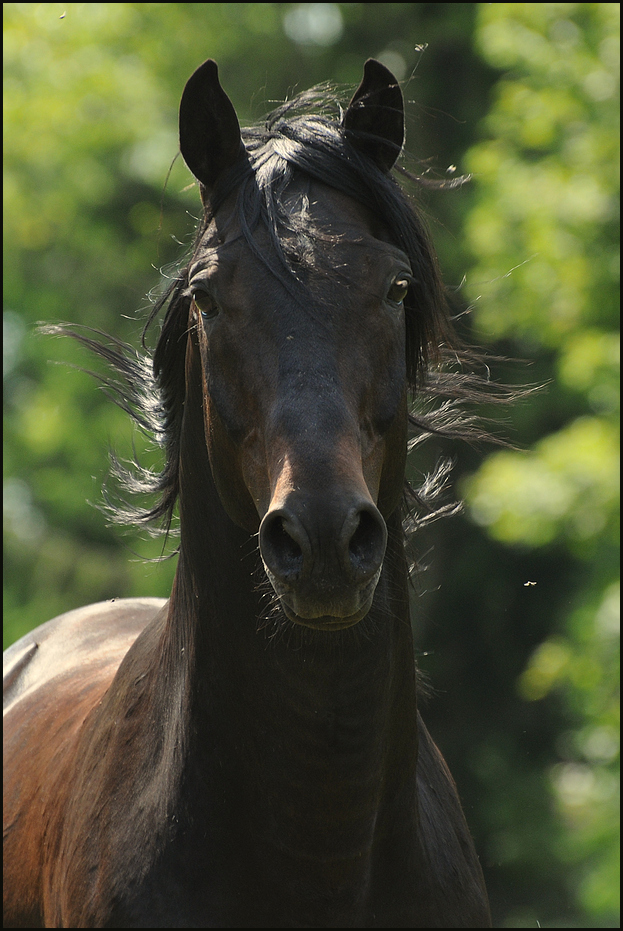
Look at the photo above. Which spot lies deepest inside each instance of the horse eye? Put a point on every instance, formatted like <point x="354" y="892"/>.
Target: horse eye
<point x="398" y="290"/>
<point x="204" y="303"/>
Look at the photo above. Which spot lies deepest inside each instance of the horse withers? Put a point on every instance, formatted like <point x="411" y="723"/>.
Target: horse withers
<point x="249" y="753"/>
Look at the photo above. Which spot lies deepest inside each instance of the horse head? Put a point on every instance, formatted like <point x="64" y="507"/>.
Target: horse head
<point x="297" y="312"/>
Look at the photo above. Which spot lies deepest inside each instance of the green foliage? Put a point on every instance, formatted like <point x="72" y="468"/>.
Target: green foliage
<point x="526" y="709"/>
<point x="544" y="234"/>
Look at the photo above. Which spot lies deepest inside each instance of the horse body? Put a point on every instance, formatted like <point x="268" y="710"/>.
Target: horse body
<point x="249" y="753"/>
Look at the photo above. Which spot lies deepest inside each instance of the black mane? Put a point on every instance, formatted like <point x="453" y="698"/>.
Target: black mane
<point x="301" y="137"/>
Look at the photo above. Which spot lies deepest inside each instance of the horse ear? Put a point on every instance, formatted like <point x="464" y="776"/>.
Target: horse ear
<point x="209" y="129"/>
<point x="375" y="115"/>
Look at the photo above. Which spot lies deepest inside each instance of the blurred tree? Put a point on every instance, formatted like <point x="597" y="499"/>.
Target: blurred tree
<point x="544" y="235"/>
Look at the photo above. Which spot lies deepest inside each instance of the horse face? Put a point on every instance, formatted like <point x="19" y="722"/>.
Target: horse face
<point x="304" y="397"/>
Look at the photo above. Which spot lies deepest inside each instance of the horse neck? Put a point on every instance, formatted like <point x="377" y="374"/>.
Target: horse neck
<point x="299" y="712"/>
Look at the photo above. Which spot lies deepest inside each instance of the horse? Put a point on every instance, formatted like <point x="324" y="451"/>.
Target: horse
<point x="249" y="753"/>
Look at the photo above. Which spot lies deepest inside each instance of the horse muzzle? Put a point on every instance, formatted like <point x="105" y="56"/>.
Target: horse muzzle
<point x="324" y="563"/>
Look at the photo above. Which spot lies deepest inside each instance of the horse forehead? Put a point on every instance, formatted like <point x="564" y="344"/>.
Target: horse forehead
<point x="327" y="204"/>
<point x="325" y="210"/>
<point x="307" y="206"/>
<point x="320" y="249"/>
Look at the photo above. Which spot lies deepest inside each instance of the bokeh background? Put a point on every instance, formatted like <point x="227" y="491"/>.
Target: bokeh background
<point x="516" y="616"/>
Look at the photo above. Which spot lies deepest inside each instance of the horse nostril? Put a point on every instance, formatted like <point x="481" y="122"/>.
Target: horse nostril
<point x="280" y="551"/>
<point x="366" y="547"/>
<point x="294" y="553"/>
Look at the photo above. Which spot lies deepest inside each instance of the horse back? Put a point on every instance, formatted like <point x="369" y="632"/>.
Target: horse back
<point x="52" y="678"/>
